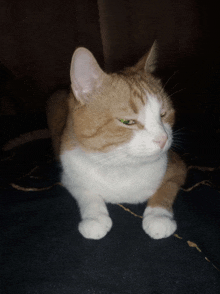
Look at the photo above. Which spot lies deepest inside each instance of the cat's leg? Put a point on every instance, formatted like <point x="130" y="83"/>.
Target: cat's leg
<point x="158" y="221"/>
<point x="95" y="221"/>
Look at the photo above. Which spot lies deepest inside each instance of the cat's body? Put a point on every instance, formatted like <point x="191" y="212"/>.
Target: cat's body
<point x="112" y="134"/>
<point x="114" y="182"/>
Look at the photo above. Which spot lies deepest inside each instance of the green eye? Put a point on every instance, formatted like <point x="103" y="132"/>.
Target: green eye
<point x="127" y="122"/>
<point x="163" y="114"/>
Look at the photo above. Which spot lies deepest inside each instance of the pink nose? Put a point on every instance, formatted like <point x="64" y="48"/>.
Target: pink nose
<point x="161" y="141"/>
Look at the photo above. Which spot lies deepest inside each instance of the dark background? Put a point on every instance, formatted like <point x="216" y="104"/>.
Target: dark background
<point x="41" y="248"/>
<point x="38" y="39"/>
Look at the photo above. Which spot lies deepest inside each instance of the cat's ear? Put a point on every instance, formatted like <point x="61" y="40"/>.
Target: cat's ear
<point x="149" y="61"/>
<point x="85" y="74"/>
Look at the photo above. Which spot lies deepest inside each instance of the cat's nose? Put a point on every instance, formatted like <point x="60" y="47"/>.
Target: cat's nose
<point x="161" y="141"/>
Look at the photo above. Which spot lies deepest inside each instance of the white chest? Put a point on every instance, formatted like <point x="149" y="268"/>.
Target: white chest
<point x="115" y="183"/>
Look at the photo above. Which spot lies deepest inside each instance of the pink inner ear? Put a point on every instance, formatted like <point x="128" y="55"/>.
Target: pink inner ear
<point x="85" y="73"/>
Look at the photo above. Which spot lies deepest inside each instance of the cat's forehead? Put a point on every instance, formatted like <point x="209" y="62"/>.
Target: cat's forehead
<point x="135" y="94"/>
<point x="151" y="109"/>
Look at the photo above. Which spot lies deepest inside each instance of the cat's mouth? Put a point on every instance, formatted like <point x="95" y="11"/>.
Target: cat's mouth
<point x="153" y="150"/>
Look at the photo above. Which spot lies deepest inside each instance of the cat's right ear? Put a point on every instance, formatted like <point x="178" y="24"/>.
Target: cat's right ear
<point x="85" y="74"/>
<point x="149" y="61"/>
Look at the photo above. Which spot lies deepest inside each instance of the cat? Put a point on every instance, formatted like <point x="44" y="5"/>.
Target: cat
<point x="112" y="134"/>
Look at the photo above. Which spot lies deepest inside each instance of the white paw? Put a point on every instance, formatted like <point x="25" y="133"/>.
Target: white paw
<point x="95" y="228"/>
<point x="158" y="223"/>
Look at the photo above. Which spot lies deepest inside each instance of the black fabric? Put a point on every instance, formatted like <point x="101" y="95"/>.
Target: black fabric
<point x="43" y="251"/>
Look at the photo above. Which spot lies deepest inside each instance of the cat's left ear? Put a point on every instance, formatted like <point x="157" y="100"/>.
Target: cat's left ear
<point x="149" y="61"/>
<point x="85" y="74"/>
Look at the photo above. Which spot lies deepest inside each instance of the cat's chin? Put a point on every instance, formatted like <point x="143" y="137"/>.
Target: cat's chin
<point x="155" y="154"/>
<point x="150" y="157"/>
<point x="144" y="155"/>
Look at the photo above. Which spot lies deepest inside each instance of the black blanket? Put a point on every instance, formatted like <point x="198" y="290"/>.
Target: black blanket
<point x="43" y="252"/>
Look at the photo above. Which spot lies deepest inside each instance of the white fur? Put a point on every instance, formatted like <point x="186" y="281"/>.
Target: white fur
<point x="158" y="222"/>
<point x="129" y="174"/>
<point x="144" y="141"/>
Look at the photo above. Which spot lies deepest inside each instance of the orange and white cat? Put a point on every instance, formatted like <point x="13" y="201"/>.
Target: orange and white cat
<point x="112" y="134"/>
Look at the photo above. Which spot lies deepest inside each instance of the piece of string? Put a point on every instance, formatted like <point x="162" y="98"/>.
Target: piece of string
<point x="190" y="243"/>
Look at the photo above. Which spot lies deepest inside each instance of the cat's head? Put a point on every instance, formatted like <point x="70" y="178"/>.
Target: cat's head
<point x="127" y="111"/>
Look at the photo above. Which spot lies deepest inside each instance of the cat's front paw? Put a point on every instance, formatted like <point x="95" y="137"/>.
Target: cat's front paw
<point x="158" y="223"/>
<point x="95" y="228"/>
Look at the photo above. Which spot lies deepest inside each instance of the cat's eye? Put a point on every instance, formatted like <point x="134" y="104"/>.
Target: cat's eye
<point x="127" y="122"/>
<point x="163" y="113"/>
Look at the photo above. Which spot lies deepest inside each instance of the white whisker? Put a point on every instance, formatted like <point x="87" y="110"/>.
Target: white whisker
<point x="170" y="78"/>
<point x="177" y="92"/>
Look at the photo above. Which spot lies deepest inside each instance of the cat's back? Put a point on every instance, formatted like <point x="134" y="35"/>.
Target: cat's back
<point x="57" y="111"/>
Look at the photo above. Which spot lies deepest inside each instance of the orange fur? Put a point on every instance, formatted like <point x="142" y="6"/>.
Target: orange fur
<point x="57" y="111"/>
<point x="92" y="125"/>
<point x="174" y="178"/>
<point x="89" y="117"/>
<point x="93" y="128"/>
